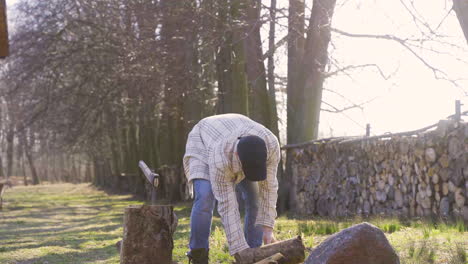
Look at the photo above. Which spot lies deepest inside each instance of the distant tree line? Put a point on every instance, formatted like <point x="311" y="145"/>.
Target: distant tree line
<point x="93" y="86"/>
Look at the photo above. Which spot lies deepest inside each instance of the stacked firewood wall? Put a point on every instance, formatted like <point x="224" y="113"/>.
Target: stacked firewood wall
<point x="415" y="175"/>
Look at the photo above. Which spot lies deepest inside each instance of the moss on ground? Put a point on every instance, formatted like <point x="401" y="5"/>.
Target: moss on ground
<point x="76" y="223"/>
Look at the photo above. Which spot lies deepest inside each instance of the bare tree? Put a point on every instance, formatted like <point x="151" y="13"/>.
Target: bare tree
<point x="306" y="65"/>
<point x="461" y="9"/>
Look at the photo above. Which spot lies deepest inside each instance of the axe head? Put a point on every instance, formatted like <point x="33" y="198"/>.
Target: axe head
<point x="153" y="178"/>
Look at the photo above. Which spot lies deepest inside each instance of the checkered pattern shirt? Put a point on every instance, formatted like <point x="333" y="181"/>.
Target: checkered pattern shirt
<point x="210" y="155"/>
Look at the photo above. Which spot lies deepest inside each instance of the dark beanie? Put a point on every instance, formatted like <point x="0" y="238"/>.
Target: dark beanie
<point x="252" y="153"/>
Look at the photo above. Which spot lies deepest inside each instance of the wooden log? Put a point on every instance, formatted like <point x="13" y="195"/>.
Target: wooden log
<point x="277" y="258"/>
<point x="293" y="250"/>
<point x="147" y="237"/>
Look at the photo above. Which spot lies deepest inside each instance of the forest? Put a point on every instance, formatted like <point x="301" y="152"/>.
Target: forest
<point x="92" y="87"/>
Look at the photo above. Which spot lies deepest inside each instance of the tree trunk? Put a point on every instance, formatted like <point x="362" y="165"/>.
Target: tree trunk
<point x="27" y="152"/>
<point x="296" y="31"/>
<point x="196" y="95"/>
<point x="2" y="118"/>
<point x="271" y="70"/>
<point x="88" y="173"/>
<point x="207" y="54"/>
<point x="46" y="159"/>
<point x="305" y="84"/>
<point x="259" y="105"/>
<point x="54" y="167"/>
<point x="23" y="168"/>
<point x="230" y="60"/>
<point x="9" y="152"/>
<point x="2" y="186"/>
<point x="316" y="58"/>
<point x="75" y="175"/>
<point x="2" y="174"/>
<point x="114" y="138"/>
<point x="283" y="189"/>
<point x="296" y="27"/>
<point x="175" y="19"/>
<point x="32" y="166"/>
<point x="306" y="64"/>
<point x="461" y="9"/>
<point x="148" y="231"/>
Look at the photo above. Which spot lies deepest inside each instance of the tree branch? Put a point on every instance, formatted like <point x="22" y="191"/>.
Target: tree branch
<point x="438" y="74"/>
<point x="354" y="67"/>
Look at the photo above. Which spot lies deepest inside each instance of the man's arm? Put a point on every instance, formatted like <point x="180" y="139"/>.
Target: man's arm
<point x="224" y="192"/>
<point x="269" y="189"/>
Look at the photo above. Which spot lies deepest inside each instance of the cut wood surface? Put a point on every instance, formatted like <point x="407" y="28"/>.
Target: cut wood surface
<point x="293" y="250"/>
<point x="148" y="231"/>
<point x="278" y="258"/>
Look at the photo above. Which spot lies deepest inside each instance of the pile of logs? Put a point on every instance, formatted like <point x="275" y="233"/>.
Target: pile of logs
<point x="419" y="175"/>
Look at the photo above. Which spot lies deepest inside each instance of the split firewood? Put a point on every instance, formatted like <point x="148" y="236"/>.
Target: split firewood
<point x="293" y="251"/>
<point x="278" y="258"/>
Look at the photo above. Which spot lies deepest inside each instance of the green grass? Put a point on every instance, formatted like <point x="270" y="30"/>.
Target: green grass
<point x="68" y="223"/>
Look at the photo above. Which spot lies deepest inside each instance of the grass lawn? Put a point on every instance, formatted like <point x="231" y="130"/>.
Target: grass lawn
<point x="75" y="223"/>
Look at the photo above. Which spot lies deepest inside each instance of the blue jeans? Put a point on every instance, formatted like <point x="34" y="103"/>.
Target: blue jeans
<point x="202" y="213"/>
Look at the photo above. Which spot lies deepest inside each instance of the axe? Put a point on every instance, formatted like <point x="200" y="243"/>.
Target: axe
<point x="152" y="177"/>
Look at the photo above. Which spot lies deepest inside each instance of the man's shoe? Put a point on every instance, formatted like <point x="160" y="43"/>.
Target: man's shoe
<point x="198" y="256"/>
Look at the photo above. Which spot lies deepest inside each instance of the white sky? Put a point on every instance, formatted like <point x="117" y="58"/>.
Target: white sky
<point x="412" y="98"/>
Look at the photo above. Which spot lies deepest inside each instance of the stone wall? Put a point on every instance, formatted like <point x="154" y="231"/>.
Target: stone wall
<point x="419" y="175"/>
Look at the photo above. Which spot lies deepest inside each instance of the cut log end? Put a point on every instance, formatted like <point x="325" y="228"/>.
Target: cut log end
<point x="278" y="258"/>
<point x="292" y="250"/>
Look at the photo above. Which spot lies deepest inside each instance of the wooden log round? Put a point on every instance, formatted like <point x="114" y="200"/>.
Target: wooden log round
<point x="147" y="237"/>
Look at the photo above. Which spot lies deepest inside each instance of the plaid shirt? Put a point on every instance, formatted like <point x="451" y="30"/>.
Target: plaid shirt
<point x="210" y="155"/>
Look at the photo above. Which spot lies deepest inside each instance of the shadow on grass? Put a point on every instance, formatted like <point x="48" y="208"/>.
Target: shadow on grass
<point x="12" y="232"/>
<point x="183" y="211"/>
<point x="70" y="242"/>
<point x="95" y="254"/>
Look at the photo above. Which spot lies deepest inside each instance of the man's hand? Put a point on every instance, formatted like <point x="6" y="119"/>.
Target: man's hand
<point x="268" y="236"/>
<point x="245" y="256"/>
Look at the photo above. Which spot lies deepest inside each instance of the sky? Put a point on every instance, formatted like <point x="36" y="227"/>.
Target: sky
<point x="412" y="97"/>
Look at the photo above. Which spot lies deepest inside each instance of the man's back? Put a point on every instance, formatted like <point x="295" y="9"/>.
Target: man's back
<point x="216" y="127"/>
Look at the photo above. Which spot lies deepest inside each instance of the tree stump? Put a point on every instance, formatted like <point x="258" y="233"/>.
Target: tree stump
<point x="147" y="237"/>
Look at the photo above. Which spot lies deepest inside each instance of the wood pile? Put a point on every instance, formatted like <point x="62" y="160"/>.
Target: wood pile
<point x="418" y="175"/>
